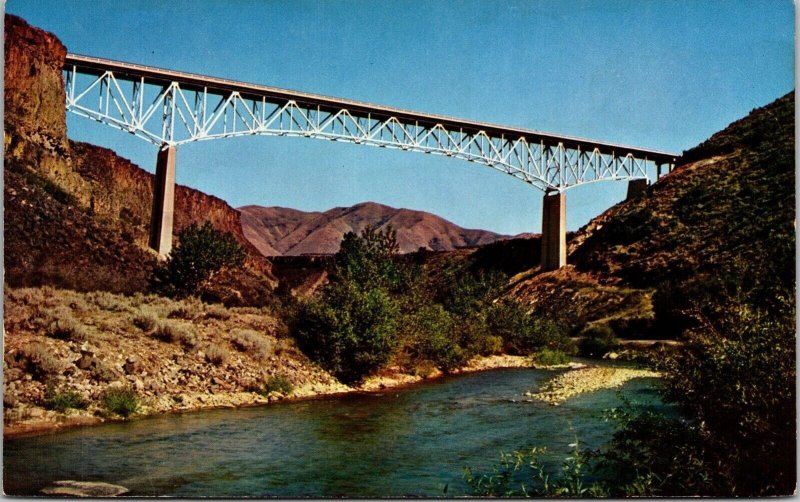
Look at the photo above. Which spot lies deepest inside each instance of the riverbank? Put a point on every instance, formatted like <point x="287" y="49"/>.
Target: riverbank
<point x="67" y="350"/>
<point x="43" y="421"/>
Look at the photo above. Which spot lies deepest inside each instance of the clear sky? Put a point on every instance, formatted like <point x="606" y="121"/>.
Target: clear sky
<point x="656" y="74"/>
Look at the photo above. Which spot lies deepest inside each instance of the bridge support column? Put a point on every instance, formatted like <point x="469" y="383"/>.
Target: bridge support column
<point x="554" y="231"/>
<point x="636" y="188"/>
<point x="163" y="202"/>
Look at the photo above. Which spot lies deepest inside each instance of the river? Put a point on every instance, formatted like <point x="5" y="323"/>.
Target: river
<point x="404" y="442"/>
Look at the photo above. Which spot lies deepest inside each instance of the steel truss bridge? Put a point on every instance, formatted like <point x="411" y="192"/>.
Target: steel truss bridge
<point x="170" y="108"/>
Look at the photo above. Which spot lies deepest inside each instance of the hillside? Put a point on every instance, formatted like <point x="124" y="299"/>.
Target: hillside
<point x="76" y="214"/>
<point x="725" y="216"/>
<point x="289" y="232"/>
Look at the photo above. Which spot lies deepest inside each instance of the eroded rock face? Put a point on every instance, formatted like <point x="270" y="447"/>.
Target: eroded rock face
<point x="84" y="206"/>
<point x="120" y="191"/>
<point x="34" y="92"/>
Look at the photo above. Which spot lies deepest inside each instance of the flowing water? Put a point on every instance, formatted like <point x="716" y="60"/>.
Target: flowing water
<point x="411" y="441"/>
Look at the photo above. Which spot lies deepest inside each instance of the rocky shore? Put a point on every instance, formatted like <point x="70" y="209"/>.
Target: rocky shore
<point x="585" y="380"/>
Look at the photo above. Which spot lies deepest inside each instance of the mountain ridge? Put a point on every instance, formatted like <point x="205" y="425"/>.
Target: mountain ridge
<point x="280" y="231"/>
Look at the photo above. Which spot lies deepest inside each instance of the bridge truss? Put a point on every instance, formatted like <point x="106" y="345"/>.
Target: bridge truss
<point x="171" y="108"/>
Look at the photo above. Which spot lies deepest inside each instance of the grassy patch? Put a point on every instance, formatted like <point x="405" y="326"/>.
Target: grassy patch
<point x="550" y="357"/>
<point x="63" y="400"/>
<point x="276" y="383"/>
<point x="123" y="402"/>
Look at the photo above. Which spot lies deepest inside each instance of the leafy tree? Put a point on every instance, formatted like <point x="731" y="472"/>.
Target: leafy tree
<point x="349" y="331"/>
<point x="521" y="333"/>
<point x="351" y="328"/>
<point x="464" y="292"/>
<point x="431" y="338"/>
<point x="369" y="259"/>
<point x="201" y="253"/>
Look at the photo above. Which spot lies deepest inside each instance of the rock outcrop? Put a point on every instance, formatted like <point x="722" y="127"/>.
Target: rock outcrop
<point x="78" y="206"/>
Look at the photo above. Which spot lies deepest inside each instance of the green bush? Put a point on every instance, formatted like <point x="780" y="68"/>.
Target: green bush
<point x="522" y="474"/>
<point x="200" y="254"/>
<point x="62" y="401"/>
<point x="597" y="341"/>
<point x="550" y="357"/>
<point x="123" y="402"/>
<point x="350" y="332"/>
<point x="523" y="334"/>
<point x="275" y="383"/>
<point x="431" y="333"/>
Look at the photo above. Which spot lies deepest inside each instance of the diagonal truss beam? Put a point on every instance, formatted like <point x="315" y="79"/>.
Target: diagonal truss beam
<point x="174" y="108"/>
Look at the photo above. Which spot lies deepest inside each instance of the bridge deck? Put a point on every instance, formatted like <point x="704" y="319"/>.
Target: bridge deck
<point x="98" y="66"/>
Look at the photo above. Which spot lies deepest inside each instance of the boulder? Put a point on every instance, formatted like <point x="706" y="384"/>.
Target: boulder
<point x="87" y="489"/>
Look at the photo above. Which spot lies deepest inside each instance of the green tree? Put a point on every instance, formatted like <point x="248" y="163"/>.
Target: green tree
<point x="430" y="332"/>
<point x="369" y="259"/>
<point x="351" y="327"/>
<point x="202" y="251"/>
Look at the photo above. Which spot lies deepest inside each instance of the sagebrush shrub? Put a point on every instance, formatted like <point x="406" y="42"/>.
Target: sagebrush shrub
<point x="42" y="362"/>
<point x="175" y="333"/>
<point x="252" y="342"/>
<point x="145" y="322"/>
<point x="66" y="328"/>
<point x="217" y="354"/>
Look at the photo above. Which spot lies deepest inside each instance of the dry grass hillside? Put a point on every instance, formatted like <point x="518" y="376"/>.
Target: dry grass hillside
<point x="173" y="355"/>
<point x="732" y="200"/>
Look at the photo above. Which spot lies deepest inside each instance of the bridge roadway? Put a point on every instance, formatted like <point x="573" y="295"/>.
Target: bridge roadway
<point x="548" y="161"/>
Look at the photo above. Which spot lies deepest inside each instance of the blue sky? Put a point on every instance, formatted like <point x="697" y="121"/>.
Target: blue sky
<point x="657" y="74"/>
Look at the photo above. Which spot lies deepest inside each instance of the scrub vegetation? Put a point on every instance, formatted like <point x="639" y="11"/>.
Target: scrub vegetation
<point x="380" y="308"/>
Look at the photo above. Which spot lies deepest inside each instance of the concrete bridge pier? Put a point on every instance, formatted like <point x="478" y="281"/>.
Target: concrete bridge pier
<point x="554" y="231"/>
<point x="163" y="202"/>
<point x="669" y="167"/>
<point x="636" y="188"/>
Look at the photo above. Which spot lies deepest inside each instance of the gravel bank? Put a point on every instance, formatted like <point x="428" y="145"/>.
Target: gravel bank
<point x="584" y="380"/>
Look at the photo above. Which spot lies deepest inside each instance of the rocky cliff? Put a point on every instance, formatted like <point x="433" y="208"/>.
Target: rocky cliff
<point x="62" y="184"/>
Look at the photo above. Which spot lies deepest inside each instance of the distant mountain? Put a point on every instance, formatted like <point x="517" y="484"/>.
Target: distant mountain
<point x="277" y="231"/>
